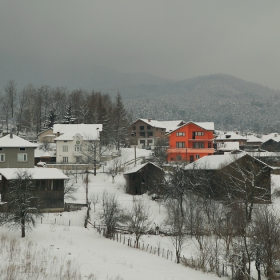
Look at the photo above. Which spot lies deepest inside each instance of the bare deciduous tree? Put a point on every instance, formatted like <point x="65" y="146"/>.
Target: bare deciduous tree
<point x="138" y="219"/>
<point x="23" y="203"/>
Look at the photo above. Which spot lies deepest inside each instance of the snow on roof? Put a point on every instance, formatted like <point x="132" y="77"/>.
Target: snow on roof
<point x="139" y="167"/>
<point x="36" y="173"/>
<point x="230" y="136"/>
<point x="87" y="131"/>
<point x="171" y="125"/>
<point x="229" y="146"/>
<point x="74" y="128"/>
<point x="274" y="136"/>
<point x="153" y="123"/>
<point x="8" y="142"/>
<point x="214" y="162"/>
<point x="253" y="138"/>
<point x="204" y="125"/>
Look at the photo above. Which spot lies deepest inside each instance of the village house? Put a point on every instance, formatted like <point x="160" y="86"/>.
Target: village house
<point x="232" y="176"/>
<point x="230" y="137"/>
<point x="190" y="142"/>
<point x="16" y="152"/>
<point x="49" y="184"/>
<point x="146" y="132"/>
<point x="144" y="177"/>
<point x="271" y="142"/>
<point x="78" y="143"/>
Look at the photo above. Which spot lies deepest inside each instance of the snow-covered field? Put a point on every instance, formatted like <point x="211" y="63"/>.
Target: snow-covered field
<point x="102" y="258"/>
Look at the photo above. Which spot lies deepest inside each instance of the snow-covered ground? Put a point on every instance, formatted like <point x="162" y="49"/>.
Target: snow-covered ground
<point x="107" y="259"/>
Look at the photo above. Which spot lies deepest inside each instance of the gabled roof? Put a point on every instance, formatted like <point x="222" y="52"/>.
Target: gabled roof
<point x="253" y="138"/>
<point x="153" y="123"/>
<point x="87" y="131"/>
<point x="15" y="142"/>
<point x="36" y="173"/>
<point x="204" y="125"/>
<point x="274" y="136"/>
<point x="230" y="136"/>
<point x="216" y="161"/>
<point x="137" y="168"/>
<point x="70" y="128"/>
<point x="228" y="146"/>
<point x="171" y="125"/>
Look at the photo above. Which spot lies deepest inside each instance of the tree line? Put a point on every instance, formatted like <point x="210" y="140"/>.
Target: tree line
<point x="32" y="110"/>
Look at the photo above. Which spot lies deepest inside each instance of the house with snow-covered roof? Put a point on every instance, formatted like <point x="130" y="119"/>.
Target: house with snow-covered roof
<point x="190" y="141"/>
<point x="16" y="152"/>
<point x="271" y="142"/>
<point x="49" y="184"/>
<point x="232" y="176"/>
<point x="78" y="142"/>
<point x="146" y="132"/>
<point x="231" y="137"/>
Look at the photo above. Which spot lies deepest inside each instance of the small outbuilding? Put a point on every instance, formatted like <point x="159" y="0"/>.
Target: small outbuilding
<point x="49" y="184"/>
<point x="147" y="177"/>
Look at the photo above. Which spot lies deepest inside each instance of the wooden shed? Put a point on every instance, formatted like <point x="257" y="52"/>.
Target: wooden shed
<point x="143" y="178"/>
<point x="49" y="184"/>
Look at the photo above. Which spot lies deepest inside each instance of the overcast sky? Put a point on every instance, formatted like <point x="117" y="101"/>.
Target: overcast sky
<point x="45" y="40"/>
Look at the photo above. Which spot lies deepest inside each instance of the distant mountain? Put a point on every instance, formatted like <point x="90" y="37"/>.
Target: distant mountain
<point x="232" y="103"/>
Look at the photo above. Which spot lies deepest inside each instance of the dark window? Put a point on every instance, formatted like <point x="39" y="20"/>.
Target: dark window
<point x="150" y="133"/>
<point x="180" y="144"/>
<point x="209" y="145"/>
<point x="150" y="142"/>
<point x="142" y="134"/>
<point x="142" y="142"/>
<point x="22" y="149"/>
<point x="148" y="127"/>
<point x="141" y="127"/>
<point x="198" y="145"/>
<point x="0" y="149"/>
<point x="199" y="133"/>
<point x="65" y="140"/>
<point x="197" y="156"/>
<point x="134" y="127"/>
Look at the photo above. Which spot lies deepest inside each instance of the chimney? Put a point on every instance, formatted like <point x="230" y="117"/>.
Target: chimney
<point x="275" y="135"/>
<point x="58" y="134"/>
<point x="237" y="132"/>
<point x="11" y="135"/>
<point x="149" y="120"/>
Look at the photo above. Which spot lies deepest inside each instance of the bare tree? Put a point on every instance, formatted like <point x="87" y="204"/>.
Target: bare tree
<point x="11" y="93"/>
<point x="267" y="240"/>
<point x="176" y="221"/>
<point x="23" y="203"/>
<point x="94" y="198"/>
<point x="138" y="219"/>
<point x="111" y="214"/>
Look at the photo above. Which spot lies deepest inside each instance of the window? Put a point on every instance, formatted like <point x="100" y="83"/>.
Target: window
<point x="150" y="133"/>
<point x="148" y="127"/>
<point x="22" y="149"/>
<point x="22" y="157"/>
<point x="78" y="148"/>
<point x="178" y="157"/>
<point x="197" y="156"/>
<point x="1" y="149"/>
<point x="65" y="141"/>
<point x="142" y="134"/>
<point x="209" y="145"/>
<point x="134" y="127"/>
<point x="199" y="133"/>
<point x="142" y="142"/>
<point x="141" y="127"/>
<point x="65" y="148"/>
<point x="180" y="134"/>
<point x="150" y="142"/>
<point x="65" y="159"/>
<point x="198" y="145"/>
<point x="2" y="157"/>
<point x="180" y="144"/>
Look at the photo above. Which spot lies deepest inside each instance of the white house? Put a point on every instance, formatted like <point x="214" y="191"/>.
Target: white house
<point x="80" y="142"/>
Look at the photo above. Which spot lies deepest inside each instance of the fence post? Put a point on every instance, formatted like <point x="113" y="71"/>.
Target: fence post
<point x="69" y="223"/>
<point x="167" y="254"/>
<point x="147" y="247"/>
<point x="163" y="252"/>
<point x="151" y="249"/>
<point x="124" y="240"/>
<point x="55" y="220"/>
<point x="41" y="220"/>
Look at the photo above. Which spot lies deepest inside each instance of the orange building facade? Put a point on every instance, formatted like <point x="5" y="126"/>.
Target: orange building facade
<point x="190" y="142"/>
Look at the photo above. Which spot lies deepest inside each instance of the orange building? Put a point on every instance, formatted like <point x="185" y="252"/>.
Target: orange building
<point x="191" y="141"/>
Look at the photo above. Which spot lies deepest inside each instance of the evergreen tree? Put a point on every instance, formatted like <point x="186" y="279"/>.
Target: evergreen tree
<point x="51" y="118"/>
<point x="120" y="122"/>
<point x="69" y="116"/>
